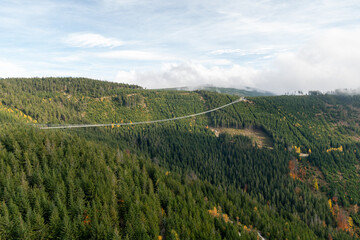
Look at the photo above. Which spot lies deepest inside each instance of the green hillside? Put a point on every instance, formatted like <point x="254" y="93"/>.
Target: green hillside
<point x="284" y="167"/>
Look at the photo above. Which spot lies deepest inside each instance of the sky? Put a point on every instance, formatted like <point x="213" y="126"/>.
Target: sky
<point x="275" y="45"/>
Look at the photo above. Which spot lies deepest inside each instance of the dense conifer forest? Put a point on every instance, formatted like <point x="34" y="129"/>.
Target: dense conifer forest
<point x="277" y="167"/>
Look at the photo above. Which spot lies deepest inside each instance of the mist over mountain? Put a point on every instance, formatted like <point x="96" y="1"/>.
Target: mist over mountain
<point x="346" y="91"/>
<point x="244" y="91"/>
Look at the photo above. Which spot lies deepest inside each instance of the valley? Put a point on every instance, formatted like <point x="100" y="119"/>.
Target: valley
<point x="283" y="166"/>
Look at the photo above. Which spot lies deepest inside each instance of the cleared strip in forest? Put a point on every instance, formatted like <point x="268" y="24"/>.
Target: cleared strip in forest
<point x="58" y="126"/>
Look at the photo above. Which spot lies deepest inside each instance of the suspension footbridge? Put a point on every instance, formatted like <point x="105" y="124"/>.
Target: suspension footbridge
<point x="64" y="126"/>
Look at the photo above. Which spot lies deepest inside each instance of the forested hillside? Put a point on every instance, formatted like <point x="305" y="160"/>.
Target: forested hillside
<point x="207" y="177"/>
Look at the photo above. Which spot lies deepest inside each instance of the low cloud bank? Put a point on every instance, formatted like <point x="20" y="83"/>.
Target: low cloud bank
<point x="190" y="74"/>
<point x="329" y="61"/>
<point x="347" y="91"/>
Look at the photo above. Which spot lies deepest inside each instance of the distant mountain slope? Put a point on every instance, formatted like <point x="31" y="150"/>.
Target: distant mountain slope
<point x="247" y="91"/>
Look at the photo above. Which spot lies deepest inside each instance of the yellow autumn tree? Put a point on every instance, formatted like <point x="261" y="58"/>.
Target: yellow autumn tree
<point x="350" y="223"/>
<point x="297" y="149"/>
<point x="226" y="217"/>
<point x="214" y="212"/>
<point x="316" y="185"/>
<point x="330" y="204"/>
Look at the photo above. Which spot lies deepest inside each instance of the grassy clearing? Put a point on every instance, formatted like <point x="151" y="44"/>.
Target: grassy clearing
<point x="258" y="137"/>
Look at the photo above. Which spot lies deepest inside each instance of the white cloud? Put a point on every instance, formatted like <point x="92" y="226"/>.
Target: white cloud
<point x="9" y="69"/>
<point x="128" y="77"/>
<point x="328" y="62"/>
<point x="214" y="61"/>
<point x="90" y="40"/>
<point x="70" y="58"/>
<point x="190" y="74"/>
<point x="134" y="55"/>
<point x="245" y="52"/>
